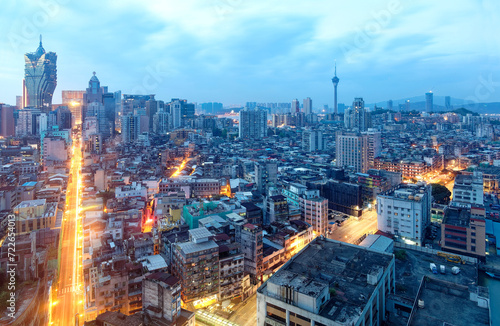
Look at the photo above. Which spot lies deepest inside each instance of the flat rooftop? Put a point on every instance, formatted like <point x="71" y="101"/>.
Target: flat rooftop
<point x="448" y="304"/>
<point x="457" y="216"/>
<point x="337" y="265"/>
<point x="31" y="203"/>
<point x="409" y="272"/>
<point x="191" y="247"/>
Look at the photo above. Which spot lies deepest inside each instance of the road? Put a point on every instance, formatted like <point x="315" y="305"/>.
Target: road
<point x="246" y="315"/>
<point x="68" y="295"/>
<point x="352" y="229"/>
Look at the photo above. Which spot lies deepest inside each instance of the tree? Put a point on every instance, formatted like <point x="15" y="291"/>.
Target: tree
<point x="440" y="193"/>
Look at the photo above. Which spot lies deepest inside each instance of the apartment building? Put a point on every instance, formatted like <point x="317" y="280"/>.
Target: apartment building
<point x="196" y="264"/>
<point x="405" y="211"/>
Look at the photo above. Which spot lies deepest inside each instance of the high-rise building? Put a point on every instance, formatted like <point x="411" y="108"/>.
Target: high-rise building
<point x="405" y="211"/>
<point x="429" y="101"/>
<point x="253" y="123"/>
<point x="389" y="105"/>
<point x="312" y="140"/>
<point x="63" y="118"/>
<point x="74" y="101"/>
<point x="19" y="102"/>
<point x="7" y="124"/>
<point x="374" y="145"/>
<point x="196" y="264"/>
<point x="176" y="113"/>
<point x="130" y="127"/>
<point x="97" y="100"/>
<point x="266" y="173"/>
<point x="40" y="78"/>
<point x="252" y="249"/>
<point x="335" y="81"/>
<point x="352" y="150"/>
<point x="161" y="121"/>
<point x="28" y="122"/>
<point x="407" y="105"/>
<point x="357" y="117"/>
<point x="295" y="106"/>
<point x="307" y="106"/>
<point x="447" y="103"/>
<point x="211" y="108"/>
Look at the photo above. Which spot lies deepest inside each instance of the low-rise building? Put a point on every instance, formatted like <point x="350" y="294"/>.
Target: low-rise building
<point x="35" y="215"/>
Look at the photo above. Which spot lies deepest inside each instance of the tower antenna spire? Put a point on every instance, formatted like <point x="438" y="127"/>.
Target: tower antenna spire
<point x="335" y="67"/>
<point x="40" y="39"/>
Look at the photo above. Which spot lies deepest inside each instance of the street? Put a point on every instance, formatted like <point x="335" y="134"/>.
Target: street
<point x="68" y="295"/>
<point x="246" y="315"/>
<point x="352" y="229"/>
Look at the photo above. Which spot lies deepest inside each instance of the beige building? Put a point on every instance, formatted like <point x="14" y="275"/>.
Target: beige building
<point x="35" y="215"/>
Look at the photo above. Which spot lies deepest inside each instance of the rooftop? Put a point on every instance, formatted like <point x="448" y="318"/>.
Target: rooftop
<point x="329" y="264"/>
<point x="448" y="304"/>
<point x="411" y="270"/>
<point x="457" y="216"/>
<point x="191" y="247"/>
<point x="31" y="203"/>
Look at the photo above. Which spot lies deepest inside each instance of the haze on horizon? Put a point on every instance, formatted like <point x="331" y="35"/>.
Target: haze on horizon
<point x="234" y="51"/>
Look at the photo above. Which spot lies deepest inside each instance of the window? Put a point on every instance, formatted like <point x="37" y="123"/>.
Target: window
<point x="473" y="248"/>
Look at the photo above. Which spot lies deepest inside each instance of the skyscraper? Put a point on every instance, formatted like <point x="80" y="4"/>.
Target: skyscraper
<point x="40" y="78"/>
<point x="389" y="105"/>
<point x="106" y="108"/>
<point x="7" y="125"/>
<point x="429" y="101"/>
<point x="295" y="106"/>
<point x="308" y="106"/>
<point x="447" y="103"/>
<point x="335" y="81"/>
<point x="74" y="100"/>
<point x="253" y="123"/>
<point x="357" y="117"/>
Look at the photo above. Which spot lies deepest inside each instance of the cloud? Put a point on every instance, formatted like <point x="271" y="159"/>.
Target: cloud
<point x="238" y="50"/>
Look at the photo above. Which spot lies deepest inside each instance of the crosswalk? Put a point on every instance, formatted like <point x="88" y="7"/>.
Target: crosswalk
<point x="67" y="289"/>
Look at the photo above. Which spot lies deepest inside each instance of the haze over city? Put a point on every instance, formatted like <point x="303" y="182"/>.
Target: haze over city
<point x="234" y="51"/>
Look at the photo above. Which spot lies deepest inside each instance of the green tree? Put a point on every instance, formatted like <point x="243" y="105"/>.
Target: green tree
<point x="440" y="193"/>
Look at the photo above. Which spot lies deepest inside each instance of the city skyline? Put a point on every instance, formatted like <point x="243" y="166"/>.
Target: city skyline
<point x="233" y="52"/>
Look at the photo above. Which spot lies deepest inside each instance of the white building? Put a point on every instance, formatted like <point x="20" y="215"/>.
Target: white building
<point x="352" y="150"/>
<point x="405" y="211"/>
<point x="469" y="189"/>
<point x="133" y="190"/>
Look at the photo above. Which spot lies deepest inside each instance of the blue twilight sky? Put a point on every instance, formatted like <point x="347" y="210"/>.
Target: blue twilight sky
<point x="235" y="51"/>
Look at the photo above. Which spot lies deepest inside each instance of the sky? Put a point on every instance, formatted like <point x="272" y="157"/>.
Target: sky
<point x="234" y="51"/>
